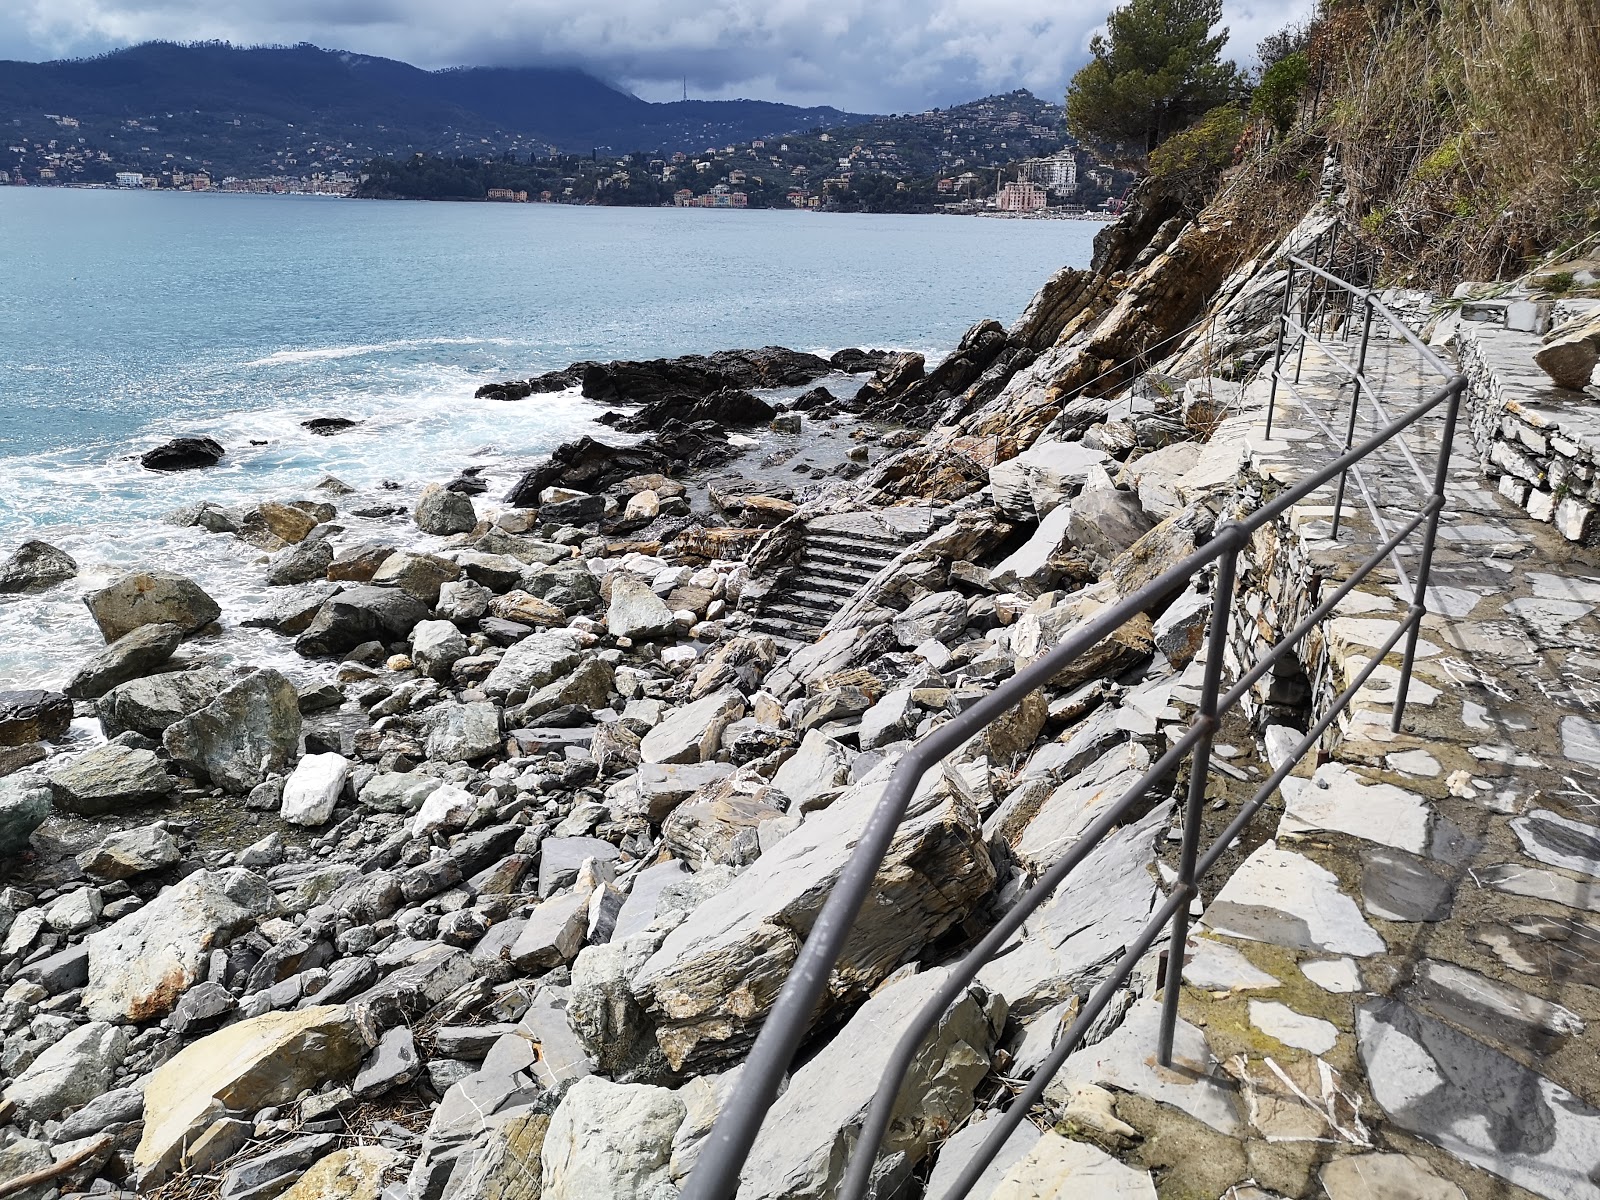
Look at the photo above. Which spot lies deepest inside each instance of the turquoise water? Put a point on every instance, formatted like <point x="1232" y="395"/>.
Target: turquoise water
<point x="126" y="318"/>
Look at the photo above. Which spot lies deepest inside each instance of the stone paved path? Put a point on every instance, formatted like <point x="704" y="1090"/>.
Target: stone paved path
<point x="1402" y="985"/>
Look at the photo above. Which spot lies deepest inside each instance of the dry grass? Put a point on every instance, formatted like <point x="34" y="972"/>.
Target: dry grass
<point x="1469" y="130"/>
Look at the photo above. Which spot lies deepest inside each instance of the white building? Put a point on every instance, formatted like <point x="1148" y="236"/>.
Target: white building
<point x="130" y="179"/>
<point x="1057" y="174"/>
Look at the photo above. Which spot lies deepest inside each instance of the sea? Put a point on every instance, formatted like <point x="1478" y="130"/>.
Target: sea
<point x="127" y="318"/>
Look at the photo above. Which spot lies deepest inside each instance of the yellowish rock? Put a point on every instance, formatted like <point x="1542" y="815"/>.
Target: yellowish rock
<point x="264" y="1061"/>
<point x="353" y="1174"/>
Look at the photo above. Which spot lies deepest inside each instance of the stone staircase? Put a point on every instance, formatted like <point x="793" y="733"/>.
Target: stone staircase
<point x="842" y="553"/>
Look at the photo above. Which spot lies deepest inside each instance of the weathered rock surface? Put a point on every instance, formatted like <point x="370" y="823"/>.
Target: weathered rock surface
<point x="183" y="454"/>
<point x="70" y="1072"/>
<point x="33" y="716"/>
<point x="150" y="598"/>
<point x="692" y="733"/>
<point x="715" y="976"/>
<point x="443" y="512"/>
<point x="313" y="788"/>
<point x="361" y="614"/>
<point x="133" y="654"/>
<point x="110" y="777"/>
<point x="130" y="852"/>
<point x="249" y="731"/>
<point x="24" y="806"/>
<point x="636" y="611"/>
<point x="609" y="1139"/>
<point x="149" y="705"/>
<point x="35" y="566"/>
<point x="142" y="964"/>
<point x="806" y="1141"/>
<point x="259" y="1062"/>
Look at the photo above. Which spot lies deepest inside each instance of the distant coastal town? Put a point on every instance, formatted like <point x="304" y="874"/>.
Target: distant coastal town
<point x="1001" y="156"/>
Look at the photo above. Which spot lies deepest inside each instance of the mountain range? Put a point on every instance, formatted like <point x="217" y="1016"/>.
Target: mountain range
<point x="236" y="108"/>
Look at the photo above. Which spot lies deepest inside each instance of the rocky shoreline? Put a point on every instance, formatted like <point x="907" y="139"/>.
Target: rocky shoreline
<point x="507" y="893"/>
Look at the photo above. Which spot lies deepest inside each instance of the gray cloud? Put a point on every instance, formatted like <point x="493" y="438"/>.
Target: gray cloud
<point x="867" y="55"/>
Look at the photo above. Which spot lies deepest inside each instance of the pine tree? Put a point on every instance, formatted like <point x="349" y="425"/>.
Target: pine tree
<point x="1155" y="70"/>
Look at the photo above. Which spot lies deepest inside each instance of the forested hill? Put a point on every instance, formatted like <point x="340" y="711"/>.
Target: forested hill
<point x="270" y="110"/>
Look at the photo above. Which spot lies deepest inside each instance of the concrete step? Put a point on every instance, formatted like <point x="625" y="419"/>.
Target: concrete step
<point x="848" y="559"/>
<point x="870" y="548"/>
<point x="802" y="615"/>
<point x="841" y="589"/>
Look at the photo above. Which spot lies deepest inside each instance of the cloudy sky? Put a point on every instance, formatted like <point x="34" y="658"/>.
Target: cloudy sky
<point x="864" y="55"/>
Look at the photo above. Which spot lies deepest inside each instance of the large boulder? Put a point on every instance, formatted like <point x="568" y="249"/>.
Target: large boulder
<point x="70" y="1072"/>
<point x="249" y="731"/>
<point x="635" y="610"/>
<point x="35" y="566"/>
<point x="24" y="806"/>
<point x="806" y="1142"/>
<point x="443" y="512"/>
<point x="130" y="852"/>
<point x="257" y="1063"/>
<point x="140" y="965"/>
<point x="1107" y="521"/>
<point x="183" y="454"/>
<point x="360" y="614"/>
<point x="608" y="1140"/>
<point x="533" y="662"/>
<point x="463" y="732"/>
<point x="147" y="706"/>
<point x="418" y="575"/>
<point x="130" y="656"/>
<point x="692" y="733"/>
<point x="32" y="715"/>
<point x="436" y="646"/>
<point x="1043" y="475"/>
<point x="110" y="777"/>
<point x="1571" y="351"/>
<point x="715" y="977"/>
<point x="151" y="598"/>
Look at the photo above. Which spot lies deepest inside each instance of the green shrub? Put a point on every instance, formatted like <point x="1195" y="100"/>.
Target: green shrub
<point x="1277" y="96"/>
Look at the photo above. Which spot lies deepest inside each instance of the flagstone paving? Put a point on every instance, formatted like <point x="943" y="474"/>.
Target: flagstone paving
<point x="1401" y="984"/>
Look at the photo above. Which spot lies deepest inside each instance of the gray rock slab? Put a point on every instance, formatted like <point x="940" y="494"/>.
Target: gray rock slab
<point x="608" y="1140"/>
<point x="1517" y="880"/>
<point x="1338" y="800"/>
<point x="1478" y="1104"/>
<point x="1284" y="898"/>
<point x="1218" y="967"/>
<point x="1400" y="887"/>
<point x="802" y="1150"/>
<point x="1126" y="1061"/>
<point x="1386" y="1177"/>
<point x="1080" y="931"/>
<point x="1058" y="1167"/>
<point x="717" y="974"/>
<point x="1494" y="1010"/>
<point x="1553" y="839"/>
<point x="560" y="859"/>
<point x="963" y="1147"/>
<point x="639" y="909"/>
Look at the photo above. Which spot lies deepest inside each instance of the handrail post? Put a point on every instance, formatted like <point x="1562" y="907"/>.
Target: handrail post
<point x="1355" y="405"/>
<point x="1277" y="354"/>
<point x="1194" y="805"/>
<point x="1441" y="474"/>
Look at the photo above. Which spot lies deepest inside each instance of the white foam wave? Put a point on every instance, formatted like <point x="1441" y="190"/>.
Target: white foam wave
<point x="325" y="353"/>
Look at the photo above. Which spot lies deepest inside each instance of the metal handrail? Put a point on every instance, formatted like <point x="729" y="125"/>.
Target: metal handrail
<point x="716" y="1174"/>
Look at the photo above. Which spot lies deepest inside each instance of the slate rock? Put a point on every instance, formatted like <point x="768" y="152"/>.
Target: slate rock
<point x="71" y="1071"/>
<point x="636" y="611"/>
<point x="443" y="512"/>
<point x="130" y="852"/>
<point x="34" y="566"/>
<point x="147" y="706"/>
<point x="712" y="982"/>
<point x="251" y="1065"/>
<point x="806" y="1140"/>
<point x="130" y="656"/>
<point x="108" y="778"/>
<point x="25" y="804"/>
<point x="32" y="715"/>
<point x="360" y="614"/>
<point x="609" y="1139"/>
<point x="691" y="734"/>
<point x="1396" y="886"/>
<point x="183" y="454"/>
